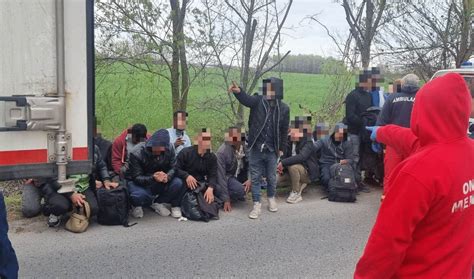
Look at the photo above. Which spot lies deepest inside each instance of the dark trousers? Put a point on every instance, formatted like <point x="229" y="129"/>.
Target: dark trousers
<point x="8" y="260"/>
<point x="60" y="204"/>
<point x="236" y="189"/>
<point x="325" y="175"/>
<point x="171" y="192"/>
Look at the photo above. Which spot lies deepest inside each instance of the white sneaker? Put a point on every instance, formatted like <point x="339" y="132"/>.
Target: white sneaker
<point x="294" y="197"/>
<point x="272" y="205"/>
<point x="137" y="212"/>
<point x="161" y="209"/>
<point x="257" y="208"/>
<point x="291" y="197"/>
<point x="303" y="186"/>
<point x="176" y="212"/>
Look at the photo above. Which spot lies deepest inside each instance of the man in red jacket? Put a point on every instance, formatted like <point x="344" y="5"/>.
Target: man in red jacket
<point x="123" y="145"/>
<point x="425" y="226"/>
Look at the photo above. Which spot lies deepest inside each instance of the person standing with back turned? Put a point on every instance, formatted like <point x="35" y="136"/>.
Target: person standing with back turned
<point x="425" y="226"/>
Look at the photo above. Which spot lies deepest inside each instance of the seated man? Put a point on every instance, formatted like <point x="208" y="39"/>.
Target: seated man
<point x="299" y="162"/>
<point x="123" y="145"/>
<point x="178" y="137"/>
<point x="31" y="197"/>
<point x="151" y="173"/>
<point x="105" y="148"/>
<point x="230" y="160"/>
<point x="336" y="148"/>
<point x="196" y="164"/>
<point x="57" y="205"/>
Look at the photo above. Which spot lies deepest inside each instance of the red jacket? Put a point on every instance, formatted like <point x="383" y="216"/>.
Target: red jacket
<point x="425" y="226"/>
<point x="400" y="140"/>
<point x="119" y="151"/>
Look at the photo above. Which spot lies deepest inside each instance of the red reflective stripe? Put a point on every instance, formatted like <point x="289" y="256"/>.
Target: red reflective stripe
<point x="37" y="156"/>
<point x="19" y="157"/>
<point x="80" y="153"/>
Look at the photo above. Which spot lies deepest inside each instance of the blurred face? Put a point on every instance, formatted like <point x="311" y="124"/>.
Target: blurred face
<point x="157" y="150"/>
<point x="234" y="137"/>
<point x="322" y="130"/>
<point x="296" y="134"/>
<point x="136" y="139"/>
<point x="269" y="93"/>
<point x="204" y="141"/>
<point x="339" y="134"/>
<point x="180" y="121"/>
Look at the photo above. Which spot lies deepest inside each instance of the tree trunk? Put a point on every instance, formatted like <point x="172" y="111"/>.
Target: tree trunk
<point x="175" y="91"/>
<point x="183" y="60"/>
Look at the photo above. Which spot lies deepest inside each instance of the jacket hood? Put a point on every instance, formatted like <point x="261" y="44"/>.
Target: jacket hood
<point x="441" y="110"/>
<point x="159" y="138"/>
<point x="277" y="85"/>
<point x="410" y="89"/>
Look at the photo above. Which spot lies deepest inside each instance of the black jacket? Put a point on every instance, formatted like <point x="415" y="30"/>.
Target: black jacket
<point x="201" y="168"/>
<point x="357" y="102"/>
<point x="333" y="152"/>
<point x="99" y="171"/>
<point x="397" y="108"/>
<point x="306" y="154"/>
<point x="105" y="148"/>
<point x="143" y="164"/>
<point x="258" y="111"/>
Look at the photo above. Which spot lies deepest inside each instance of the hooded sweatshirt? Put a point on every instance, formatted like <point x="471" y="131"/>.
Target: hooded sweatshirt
<point x="425" y="226"/>
<point x="143" y="163"/>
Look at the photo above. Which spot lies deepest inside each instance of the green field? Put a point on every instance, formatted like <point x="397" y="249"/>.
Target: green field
<point x="125" y="96"/>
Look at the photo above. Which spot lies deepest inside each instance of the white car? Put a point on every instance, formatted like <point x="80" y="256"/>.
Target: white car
<point x="467" y="71"/>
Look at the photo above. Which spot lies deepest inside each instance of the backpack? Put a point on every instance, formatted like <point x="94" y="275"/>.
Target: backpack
<point x="342" y="185"/>
<point x="194" y="206"/>
<point x="113" y="206"/>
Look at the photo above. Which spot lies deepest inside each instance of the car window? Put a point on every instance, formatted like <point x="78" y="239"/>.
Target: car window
<point x="470" y="84"/>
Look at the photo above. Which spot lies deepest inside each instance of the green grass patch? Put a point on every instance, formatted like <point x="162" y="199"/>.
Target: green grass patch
<point x="125" y="96"/>
<point x="13" y="204"/>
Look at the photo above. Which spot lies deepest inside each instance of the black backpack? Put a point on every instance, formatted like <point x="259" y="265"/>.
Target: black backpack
<point x="194" y="207"/>
<point x="113" y="206"/>
<point x="369" y="118"/>
<point x="342" y="185"/>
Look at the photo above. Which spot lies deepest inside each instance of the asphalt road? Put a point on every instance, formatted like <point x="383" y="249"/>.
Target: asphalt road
<point x="312" y="239"/>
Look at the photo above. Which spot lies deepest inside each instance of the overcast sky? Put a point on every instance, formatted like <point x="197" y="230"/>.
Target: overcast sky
<point x="308" y="37"/>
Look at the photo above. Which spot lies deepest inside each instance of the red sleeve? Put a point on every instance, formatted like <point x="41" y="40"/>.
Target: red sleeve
<point x="399" y="138"/>
<point x="401" y="211"/>
<point x="117" y="150"/>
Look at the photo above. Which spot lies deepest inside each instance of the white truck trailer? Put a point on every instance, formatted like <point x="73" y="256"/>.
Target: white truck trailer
<point x="46" y="88"/>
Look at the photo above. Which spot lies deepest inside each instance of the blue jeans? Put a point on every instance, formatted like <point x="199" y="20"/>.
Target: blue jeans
<point x="262" y="164"/>
<point x="171" y="192"/>
<point x="8" y="260"/>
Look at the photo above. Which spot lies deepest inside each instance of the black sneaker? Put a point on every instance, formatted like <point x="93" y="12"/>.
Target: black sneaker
<point x="363" y="188"/>
<point x="54" y="221"/>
